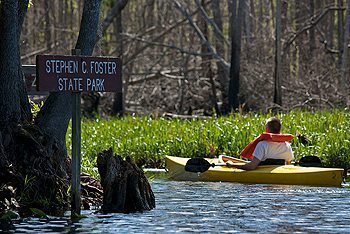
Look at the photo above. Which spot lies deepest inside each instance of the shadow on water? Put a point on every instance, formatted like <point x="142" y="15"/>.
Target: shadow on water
<point x="217" y="208"/>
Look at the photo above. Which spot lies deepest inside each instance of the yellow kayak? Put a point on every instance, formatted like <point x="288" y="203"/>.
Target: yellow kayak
<point x="269" y="174"/>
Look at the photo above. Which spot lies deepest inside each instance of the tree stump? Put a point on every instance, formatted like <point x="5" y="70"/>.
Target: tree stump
<point x="125" y="187"/>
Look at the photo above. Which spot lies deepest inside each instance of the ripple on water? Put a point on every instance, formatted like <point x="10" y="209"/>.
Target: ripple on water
<point x="217" y="208"/>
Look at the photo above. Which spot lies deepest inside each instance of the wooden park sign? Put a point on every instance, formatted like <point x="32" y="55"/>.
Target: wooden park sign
<point x="57" y="73"/>
<point x="78" y="73"/>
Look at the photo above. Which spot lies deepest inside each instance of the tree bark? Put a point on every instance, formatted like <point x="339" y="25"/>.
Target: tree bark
<point x="48" y="24"/>
<point x="312" y="37"/>
<point x="340" y="33"/>
<point x="118" y="102"/>
<point x="10" y="113"/>
<point x="206" y="60"/>
<point x="330" y="30"/>
<point x="344" y="61"/>
<point x="203" y="27"/>
<point x="220" y="48"/>
<point x="112" y="13"/>
<point x="234" y="85"/>
<point x="232" y="12"/>
<point x="277" y="86"/>
<point x="26" y="114"/>
<point x="247" y="25"/>
<point x="15" y="105"/>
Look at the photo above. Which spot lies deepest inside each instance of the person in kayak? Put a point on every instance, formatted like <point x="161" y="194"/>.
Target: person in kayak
<point x="269" y="145"/>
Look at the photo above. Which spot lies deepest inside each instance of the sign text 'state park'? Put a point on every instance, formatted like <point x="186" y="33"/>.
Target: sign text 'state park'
<point x="78" y="73"/>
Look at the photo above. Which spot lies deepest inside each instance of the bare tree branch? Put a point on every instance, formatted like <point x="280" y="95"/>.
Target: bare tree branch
<point x="118" y="6"/>
<point x="166" y="45"/>
<point x="46" y="49"/>
<point x="168" y="30"/>
<point x="200" y="35"/>
<point x="314" y="20"/>
<point x="159" y="74"/>
<point x="212" y="23"/>
<point x="329" y="50"/>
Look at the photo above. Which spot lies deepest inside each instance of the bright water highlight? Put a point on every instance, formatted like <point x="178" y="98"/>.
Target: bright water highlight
<point x="206" y="207"/>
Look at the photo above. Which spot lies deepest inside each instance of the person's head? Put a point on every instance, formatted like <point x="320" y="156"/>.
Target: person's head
<point x="273" y="125"/>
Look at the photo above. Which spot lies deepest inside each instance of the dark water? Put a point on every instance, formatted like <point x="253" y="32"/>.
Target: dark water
<point x="206" y="207"/>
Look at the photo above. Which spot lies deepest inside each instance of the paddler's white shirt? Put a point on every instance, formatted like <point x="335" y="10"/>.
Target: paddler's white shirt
<point x="274" y="150"/>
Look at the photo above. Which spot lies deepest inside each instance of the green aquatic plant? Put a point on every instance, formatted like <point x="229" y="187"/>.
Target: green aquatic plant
<point x="6" y="219"/>
<point x="148" y="140"/>
<point x="38" y="213"/>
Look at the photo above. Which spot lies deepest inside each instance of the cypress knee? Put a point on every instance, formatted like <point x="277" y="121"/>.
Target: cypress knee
<point x="125" y="187"/>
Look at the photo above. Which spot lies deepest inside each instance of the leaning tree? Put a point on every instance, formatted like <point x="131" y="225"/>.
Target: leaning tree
<point x="34" y="164"/>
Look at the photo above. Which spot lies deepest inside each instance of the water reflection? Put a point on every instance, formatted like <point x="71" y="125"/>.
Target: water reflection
<point x="217" y="208"/>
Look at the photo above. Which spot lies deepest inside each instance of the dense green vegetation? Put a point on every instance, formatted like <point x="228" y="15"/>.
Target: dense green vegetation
<point x="149" y="139"/>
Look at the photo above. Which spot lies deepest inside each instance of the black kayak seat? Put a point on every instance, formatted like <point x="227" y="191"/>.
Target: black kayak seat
<point x="310" y="161"/>
<point x="271" y="161"/>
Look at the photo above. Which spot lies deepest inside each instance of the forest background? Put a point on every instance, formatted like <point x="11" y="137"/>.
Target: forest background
<point x="177" y="53"/>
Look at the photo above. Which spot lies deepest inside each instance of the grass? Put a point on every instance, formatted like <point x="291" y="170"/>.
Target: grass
<point x="148" y="140"/>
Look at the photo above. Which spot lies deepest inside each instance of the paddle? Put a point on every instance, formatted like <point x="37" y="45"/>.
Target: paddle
<point x="200" y="165"/>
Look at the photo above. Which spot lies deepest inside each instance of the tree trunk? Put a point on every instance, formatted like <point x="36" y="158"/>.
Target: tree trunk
<point x="340" y="33"/>
<point x="26" y="114"/>
<point x="203" y="27"/>
<point x="118" y="102"/>
<point x="248" y="31"/>
<point x="234" y="84"/>
<point x="253" y="18"/>
<point x="33" y="157"/>
<point x="345" y="55"/>
<point x="232" y="12"/>
<point x="9" y="65"/>
<point x="55" y="115"/>
<point x="206" y="60"/>
<point x="116" y="13"/>
<point x="220" y="48"/>
<point x="312" y="37"/>
<point x="71" y="18"/>
<point x="273" y="13"/>
<point x="48" y="24"/>
<point x="330" y="30"/>
<point x="14" y="106"/>
<point x="125" y="187"/>
<point x="150" y="13"/>
<point x="182" y="82"/>
<point x="277" y="98"/>
<point x="259" y="26"/>
<point x="301" y="53"/>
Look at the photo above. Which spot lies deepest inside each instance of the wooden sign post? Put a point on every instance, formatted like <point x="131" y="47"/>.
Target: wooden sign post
<point x="76" y="149"/>
<point x="77" y="74"/>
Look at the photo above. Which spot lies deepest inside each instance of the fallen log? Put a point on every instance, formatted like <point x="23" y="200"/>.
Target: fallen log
<point x="176" y="116"/>
<point x="125" y="187"/>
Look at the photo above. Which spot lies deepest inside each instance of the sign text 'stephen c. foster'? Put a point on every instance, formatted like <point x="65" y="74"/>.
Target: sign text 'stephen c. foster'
<point x="78" y="73"/>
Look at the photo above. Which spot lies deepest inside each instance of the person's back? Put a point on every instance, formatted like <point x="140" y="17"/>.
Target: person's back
<point x="266" y="149"/>
<point x="273" y="150"/>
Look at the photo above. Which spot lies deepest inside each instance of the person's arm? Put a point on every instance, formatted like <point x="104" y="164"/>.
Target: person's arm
<point x="291" y="154"/>
<point x="249" y="166"/>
